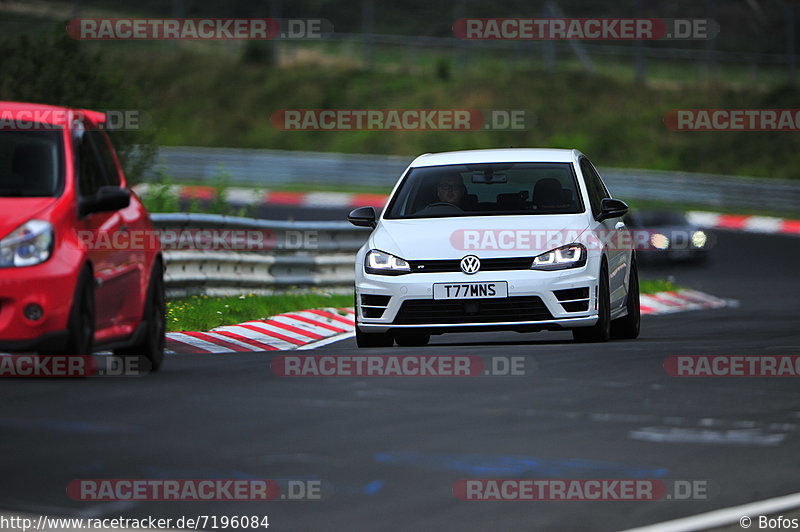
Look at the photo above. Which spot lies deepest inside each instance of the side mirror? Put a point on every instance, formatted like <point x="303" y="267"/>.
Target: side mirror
<point x="612" y="208"/>
<point x="107" y="198"/>
<point x="363" y="217"/>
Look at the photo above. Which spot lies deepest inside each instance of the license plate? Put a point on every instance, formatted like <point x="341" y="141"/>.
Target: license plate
<point x="470" y="290"/>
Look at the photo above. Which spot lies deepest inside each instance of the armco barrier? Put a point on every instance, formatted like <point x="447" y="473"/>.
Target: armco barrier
<point x="327" y="262"/>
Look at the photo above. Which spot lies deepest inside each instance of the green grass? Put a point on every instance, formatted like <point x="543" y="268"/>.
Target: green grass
<point x="657" y="285"/>
<point x="202" y="99"/>
<point x="202" y="313"/>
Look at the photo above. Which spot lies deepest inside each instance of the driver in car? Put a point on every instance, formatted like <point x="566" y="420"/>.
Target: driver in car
<point x="451" y="190"/>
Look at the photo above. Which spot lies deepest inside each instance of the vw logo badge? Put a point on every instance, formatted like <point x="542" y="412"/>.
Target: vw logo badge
<point x="470" y="264"/>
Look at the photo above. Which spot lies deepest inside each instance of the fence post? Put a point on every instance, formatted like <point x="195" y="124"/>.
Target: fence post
<point x="711" y="45"/>
<point x="367" y="31"/>
<point x="791" y="56"/>
<point x="638" y="45"/>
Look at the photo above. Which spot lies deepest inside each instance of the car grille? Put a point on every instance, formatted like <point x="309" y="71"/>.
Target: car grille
<point x="454" y="265"/>
<point x="493" y="310"/>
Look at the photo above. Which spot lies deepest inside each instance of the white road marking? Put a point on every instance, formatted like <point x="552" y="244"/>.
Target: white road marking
<point x="706" y="436"/>
<point x="725" y="516"/>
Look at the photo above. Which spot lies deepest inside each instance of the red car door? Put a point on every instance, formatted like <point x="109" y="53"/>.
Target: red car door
<point x="116" y="276"/>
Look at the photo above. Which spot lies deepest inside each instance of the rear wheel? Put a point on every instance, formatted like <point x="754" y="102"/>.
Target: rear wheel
<point x="151" y="346"/>
<point x="627" y="327"/>
<point x="601" y="331"/>
<point x="412" y="339"/>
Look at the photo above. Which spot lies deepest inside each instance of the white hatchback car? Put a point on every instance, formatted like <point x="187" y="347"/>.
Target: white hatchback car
<point x="506" y="239"/>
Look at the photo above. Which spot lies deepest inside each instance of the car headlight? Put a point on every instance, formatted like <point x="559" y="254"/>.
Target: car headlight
<point x="29" y="244"/>
<point x="569" y="256"/>
<point x="699" y="239"/>
<point x="382" y="263"/>
<point x="659" y="241"/>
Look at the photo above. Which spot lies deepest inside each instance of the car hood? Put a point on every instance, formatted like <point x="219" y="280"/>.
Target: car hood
<point x="484" y="236"/>
<point x="17" y="211"/>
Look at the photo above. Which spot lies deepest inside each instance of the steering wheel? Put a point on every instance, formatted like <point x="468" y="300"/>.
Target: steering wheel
<point x="443" y="204"/>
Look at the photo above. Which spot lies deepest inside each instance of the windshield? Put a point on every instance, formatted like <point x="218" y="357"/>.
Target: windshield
<point x="30" y="163"/>
<point x="486" y="190"/>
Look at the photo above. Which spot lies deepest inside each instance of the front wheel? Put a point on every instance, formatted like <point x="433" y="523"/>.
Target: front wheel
<point x="373" y="339"/>
<point x="81" y="318"/>
<point x="151" y="346"/>
<point x="601" y="331"/>
<point x="412" y="339"/>
<point x="627" y="327"/>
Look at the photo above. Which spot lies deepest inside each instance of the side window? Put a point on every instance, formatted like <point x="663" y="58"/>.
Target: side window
<point x="593" y="186"/>
<point x="91" y="175"/>
<point x="106" y="157"/>
<point x="600" y="184"/>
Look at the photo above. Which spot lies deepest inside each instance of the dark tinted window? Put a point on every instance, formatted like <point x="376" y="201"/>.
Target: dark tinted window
<point x="91" y="173"/>
<point x="105" y="156"/>
<point x="30" y="163"/>
<point x="487" y="189"/>
<point x="594" y="185"/>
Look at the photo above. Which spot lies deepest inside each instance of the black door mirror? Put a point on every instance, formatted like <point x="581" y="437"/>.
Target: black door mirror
<point x="363" y="217"/>
<point x="612" y="208"/>
<point x="107" y="198"/>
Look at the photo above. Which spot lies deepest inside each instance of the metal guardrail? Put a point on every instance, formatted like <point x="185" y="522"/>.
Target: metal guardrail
<point x="267" y="168"/>
<point x="280" y="237"/>
<point x="298" y="255"/>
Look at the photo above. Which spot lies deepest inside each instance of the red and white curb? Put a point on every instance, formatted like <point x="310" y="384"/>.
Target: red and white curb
<point x="681" y="301"/>
<point x="304" y="329"/>
<point x="750" y="224"/>
<point x="309" y="329"/>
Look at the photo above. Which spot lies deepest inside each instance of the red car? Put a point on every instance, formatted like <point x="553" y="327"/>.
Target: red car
<point x="72" y="278"/>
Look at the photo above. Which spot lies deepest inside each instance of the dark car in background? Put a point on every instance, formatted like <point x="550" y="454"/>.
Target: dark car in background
<point x="667" y="236"/>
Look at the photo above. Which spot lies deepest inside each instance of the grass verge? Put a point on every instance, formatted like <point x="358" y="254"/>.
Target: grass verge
<point x="657" y="285"/>
<point x="202" y="313"/>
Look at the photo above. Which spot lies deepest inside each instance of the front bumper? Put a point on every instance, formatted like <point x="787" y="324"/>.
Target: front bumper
<point x="521" y="283"/>
<point x="51" y="285"/>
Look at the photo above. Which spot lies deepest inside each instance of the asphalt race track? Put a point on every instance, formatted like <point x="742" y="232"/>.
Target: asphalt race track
<point x="392" y="448"/>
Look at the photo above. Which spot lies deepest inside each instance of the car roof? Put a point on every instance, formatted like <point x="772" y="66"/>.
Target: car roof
<point x="46" y="114"/>
<point x="504" y="155"/>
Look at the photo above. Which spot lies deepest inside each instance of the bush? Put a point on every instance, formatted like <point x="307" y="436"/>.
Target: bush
<point x="57" y="70"/>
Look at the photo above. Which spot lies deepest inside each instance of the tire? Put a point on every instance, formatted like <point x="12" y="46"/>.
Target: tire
<point x="367" y="340"/>
<point x="81" y="318"/>
<point x="151" y="346"/>
<point x="601" y="331"/>
<point x="373" y="339"/>
<point x="412" y="339"/>
<point x="627" y="327"/>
